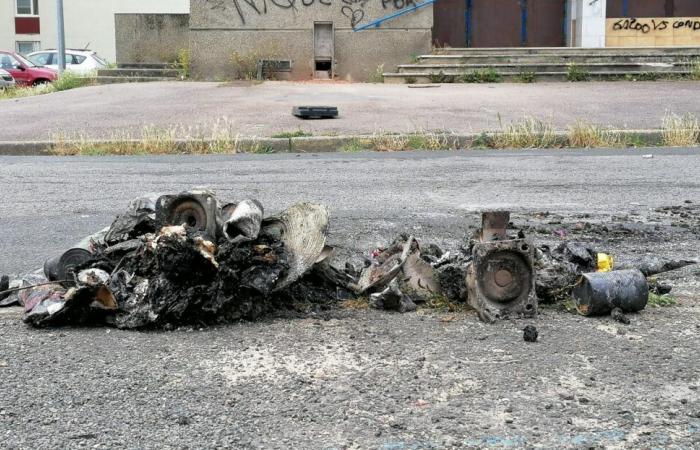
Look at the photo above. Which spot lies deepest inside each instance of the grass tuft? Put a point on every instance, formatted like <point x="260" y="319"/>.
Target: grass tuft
<point x="575" y="73"/>
<point x="658" y="301"/>
<point x="292" y="134"/>
<point x="680" y="131"/>
<point x="527" y="133"/>
<point x="66" y="81"/>
<point x="586" y="135"/>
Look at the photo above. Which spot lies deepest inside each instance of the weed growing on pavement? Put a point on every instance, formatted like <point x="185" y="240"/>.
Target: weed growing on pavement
<point x="680" y="131"/>
<point x="184" y="62"/>
<point x="586" y="135"/>
<point x="481" y="76"/>
<point x="574" y="73"/>
<point x="441" y="77"/>
<point x="526" y="77"/>
<point x="153" y="140"/>
<point x="292" y="134"/>
<point x="658" y="301"/>
<point x="378" y="75"/>
<point x="410" y="80"/>
<point x="695" y="70"/>
<point x="527" y="133"/>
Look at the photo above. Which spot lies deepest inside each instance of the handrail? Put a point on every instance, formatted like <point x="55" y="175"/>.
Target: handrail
<point x="376" y="23"/>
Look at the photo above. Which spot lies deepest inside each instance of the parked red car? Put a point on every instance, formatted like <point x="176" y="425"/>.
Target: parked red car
<point x="24" y="71"/>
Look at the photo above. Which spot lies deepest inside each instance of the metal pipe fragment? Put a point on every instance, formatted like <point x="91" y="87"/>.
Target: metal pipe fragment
<point x="598" y="293"/>
<point x="243" y="222"/>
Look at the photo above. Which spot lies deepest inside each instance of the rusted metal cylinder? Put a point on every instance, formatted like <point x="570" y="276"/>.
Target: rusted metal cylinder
<point x="599" y="292"/>
<point x="494" y="225"/>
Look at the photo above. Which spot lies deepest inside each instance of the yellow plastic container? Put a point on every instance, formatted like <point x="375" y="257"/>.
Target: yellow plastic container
<point x="605" y="262"/>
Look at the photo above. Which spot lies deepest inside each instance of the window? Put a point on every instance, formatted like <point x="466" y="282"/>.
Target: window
<point x="78" y="59"/>
<point x="26" y="47"/>
<point x="41" y="59"/>
<point x="7" y="62"/>
<point x="27" y="7"/>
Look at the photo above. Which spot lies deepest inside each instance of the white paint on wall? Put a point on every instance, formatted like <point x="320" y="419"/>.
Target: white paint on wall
<point x="87" y="22"/>
<point x="590" y="22"/>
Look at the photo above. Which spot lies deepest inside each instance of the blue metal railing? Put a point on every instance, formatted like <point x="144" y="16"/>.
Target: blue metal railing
<point x="377" y="22"/>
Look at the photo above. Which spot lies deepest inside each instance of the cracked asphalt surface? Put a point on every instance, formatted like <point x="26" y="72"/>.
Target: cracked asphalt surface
<point x="357" y="378"/>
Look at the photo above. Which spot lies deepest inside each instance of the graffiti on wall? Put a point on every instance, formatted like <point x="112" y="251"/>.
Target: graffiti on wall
<point x="652" y="31"/>
<point x="353" y="10"/>
<point x="646" y="26"/>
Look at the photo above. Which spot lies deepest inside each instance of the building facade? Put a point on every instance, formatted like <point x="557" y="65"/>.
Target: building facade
<point x="305" y="38"/>
<point x="30" y="25"/>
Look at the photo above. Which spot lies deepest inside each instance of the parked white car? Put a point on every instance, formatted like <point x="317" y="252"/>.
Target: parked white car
<point x="81" y="62"/>
<point x="6" y="80"/>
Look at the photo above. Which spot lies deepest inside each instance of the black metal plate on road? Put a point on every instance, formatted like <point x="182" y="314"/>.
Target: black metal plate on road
<point x="315" y="112"/>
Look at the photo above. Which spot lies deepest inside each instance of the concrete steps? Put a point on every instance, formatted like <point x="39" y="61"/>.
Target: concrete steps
<point x="138" y="73"/>
<point x="547" y="64"/>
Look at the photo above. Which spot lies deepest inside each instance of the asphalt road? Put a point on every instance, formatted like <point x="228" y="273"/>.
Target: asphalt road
<point x="359" y="379"/>
<point x="193" y="109"/>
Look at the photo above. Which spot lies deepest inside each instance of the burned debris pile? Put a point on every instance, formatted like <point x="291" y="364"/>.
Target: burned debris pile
<point x="193" y="259"/>
<point x="185" y="259"/>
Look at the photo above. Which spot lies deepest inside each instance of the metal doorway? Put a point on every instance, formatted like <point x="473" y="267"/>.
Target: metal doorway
<point x="324" y="50"/>
<point x="653" y="8"/>
<point x="499" y="23"/>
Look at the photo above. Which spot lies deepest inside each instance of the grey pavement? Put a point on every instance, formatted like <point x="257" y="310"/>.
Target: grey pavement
<point x="262" y="110"/>
<point x="361" y="379"/>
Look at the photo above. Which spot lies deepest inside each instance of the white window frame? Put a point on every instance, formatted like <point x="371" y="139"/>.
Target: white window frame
<point x="36" y="45"/>
<point x="34" y="5"/>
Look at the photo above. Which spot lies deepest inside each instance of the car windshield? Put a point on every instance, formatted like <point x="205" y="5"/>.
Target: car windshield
<point x="24" y="60"/>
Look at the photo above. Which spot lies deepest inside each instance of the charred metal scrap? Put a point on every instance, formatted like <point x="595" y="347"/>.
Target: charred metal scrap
<point x="194" y="259"/>
<point x="187" y="258"/>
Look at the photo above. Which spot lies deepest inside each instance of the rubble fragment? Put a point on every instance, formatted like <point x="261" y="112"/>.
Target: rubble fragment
<point x="530" y="333"/>
<point x="619" y="316"/>
<point x="392" y="299"/>
<point x="652" y="265"/>
<point x="242" y="221"/>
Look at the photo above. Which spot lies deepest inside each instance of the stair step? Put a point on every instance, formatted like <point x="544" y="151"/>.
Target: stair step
<point x="139" y="65"/>
<point x="568" y="51"/>
<point x="421" y="77"/>
<point x="553" y="59"/>
<point x="157" y="73"/>
<point x="542" y="67"/>
<point x="112" y="80"/>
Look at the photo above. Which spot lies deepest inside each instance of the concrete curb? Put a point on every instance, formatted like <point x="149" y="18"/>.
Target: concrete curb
<point x="314" y="144"/>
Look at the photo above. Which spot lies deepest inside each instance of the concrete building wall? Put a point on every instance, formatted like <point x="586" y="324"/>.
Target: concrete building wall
<point x="87" y="22"/>
<point x="284" y="29"/>
<point x="151" y="38"/>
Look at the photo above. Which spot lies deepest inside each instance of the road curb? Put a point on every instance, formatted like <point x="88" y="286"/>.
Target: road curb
<point x="313" y="144"/>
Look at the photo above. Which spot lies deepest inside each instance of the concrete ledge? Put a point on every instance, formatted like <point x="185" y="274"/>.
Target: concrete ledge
<point x="314" y="144"/>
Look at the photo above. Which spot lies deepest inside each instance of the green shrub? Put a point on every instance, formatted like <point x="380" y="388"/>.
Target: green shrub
<point x="184" y="62"/>
<point x="526" y="77"/>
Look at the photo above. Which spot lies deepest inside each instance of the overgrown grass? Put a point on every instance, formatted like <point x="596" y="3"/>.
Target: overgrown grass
<point x="488" y="75"/>
<point x="575" y="73"/>
<point x="441" y="77"/>
<point x="658" y="301"/>
<point x="680" y="131"/>
<point x="526" y="77"/>
<point x="152" y="140"/>
<point x="378" y="75"/>
<point x="292" y="134"/>
<point x="184" y="62"/>
<point x="586" y="135"/>
<point x="66" y="81"/>
<point x="391" y="142"/>
<point x="695" y="70"/>
<point x="527" y="133"/>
